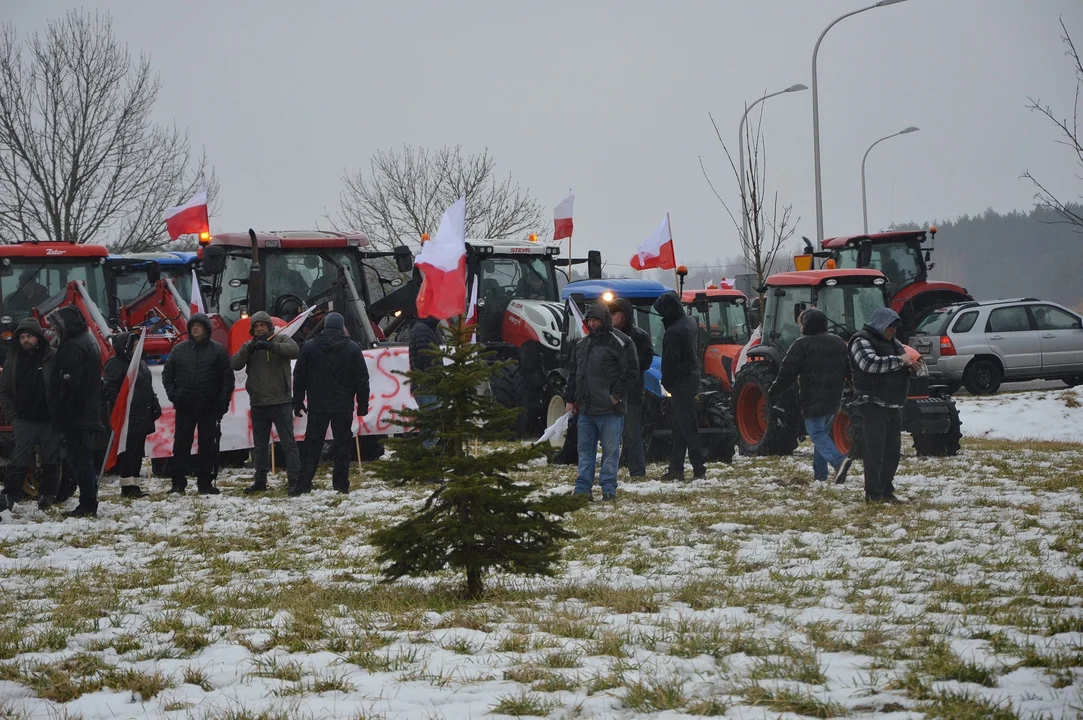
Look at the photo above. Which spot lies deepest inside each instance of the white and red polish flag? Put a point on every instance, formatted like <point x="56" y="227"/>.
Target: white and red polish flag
<point x="657" y="250"/>
<point x="472" y="311"/>
<point x="726" y="284"/>
<point x="562" y="217"/>
<point x="577" y="316"/>
<point x="442" y="263"/>
<point x="197" y="296"/>
<point x="122" y="408"/>
<point x="188" y="219"/>
<point x="294" y="325"/>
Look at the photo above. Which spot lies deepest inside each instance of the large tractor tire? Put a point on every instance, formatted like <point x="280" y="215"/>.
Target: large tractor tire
<point x="720" y="448"/>
<point x="566" y="451"/>
<point x="761" y="428"/>
<point x="509" y="387"/>
<point x="941" y="444"/>
<point x="844" y="435"/>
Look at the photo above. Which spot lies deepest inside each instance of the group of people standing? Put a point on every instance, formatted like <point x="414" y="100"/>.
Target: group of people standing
<point x="58" y="401"/>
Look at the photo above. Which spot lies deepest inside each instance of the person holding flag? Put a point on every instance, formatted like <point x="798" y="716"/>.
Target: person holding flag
<point x="133" y="408"/>
<point x="267" y="357"/>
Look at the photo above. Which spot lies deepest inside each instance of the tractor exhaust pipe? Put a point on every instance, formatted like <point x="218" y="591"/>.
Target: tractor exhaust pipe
<point x="256" y="300"/>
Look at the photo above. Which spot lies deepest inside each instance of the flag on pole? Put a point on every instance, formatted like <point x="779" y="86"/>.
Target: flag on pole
<point x="577" y="316"/>
<point x="657" y="250"/>
<point x="294" y="325"/>
<point x="121" y="413"/>
<point x="197" y="295"/>
<point x="472" y="311"/>
<point x="562" y="217"/>
<point x="188" y="219"/>
<point x="726" y="284"/>
<point x="442" y="263"/>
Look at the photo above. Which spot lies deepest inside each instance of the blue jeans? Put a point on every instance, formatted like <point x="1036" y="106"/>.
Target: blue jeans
<point x="608" y="429"/>
<point x="824" y="452"/>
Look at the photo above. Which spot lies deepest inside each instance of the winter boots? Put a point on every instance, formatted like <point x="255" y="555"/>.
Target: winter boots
<point x="259" y="484"/>
<point x="132" y="491"/>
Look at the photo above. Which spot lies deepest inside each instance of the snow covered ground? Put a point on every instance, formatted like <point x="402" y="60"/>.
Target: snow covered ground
<point x="1040" y="415"/>
<point x="752" y="593"/>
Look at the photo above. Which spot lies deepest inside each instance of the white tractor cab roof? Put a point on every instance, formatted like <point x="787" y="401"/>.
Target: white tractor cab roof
<point x="512" y="247"/>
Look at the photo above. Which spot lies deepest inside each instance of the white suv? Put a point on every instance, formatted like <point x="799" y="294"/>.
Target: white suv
<point x="981" y="344"/>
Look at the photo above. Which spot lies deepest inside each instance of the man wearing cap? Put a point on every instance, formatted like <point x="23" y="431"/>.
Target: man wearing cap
<point x="330" y="372"/>
<point x="199" y="382"/>
<point x="881" y="370"/>
<point x="634" y="455"/>
<point x="25" y="396"/>
<point x="267" y="359"/>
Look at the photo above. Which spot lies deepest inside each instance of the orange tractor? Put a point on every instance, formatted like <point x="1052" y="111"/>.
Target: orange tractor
<point x="724" y="330"/>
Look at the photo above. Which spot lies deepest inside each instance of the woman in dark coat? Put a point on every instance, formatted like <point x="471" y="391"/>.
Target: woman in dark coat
<point x="145" y="409"/>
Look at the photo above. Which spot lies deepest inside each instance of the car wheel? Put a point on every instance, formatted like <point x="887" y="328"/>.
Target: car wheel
<point x="1073" y="381"/>
<point x="982" y="377"/>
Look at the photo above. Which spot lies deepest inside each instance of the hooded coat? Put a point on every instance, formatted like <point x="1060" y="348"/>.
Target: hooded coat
<point x="680" y="346"/>
<point x="197" y="376"/>
<point x="331" y="371"/>
<point x="877" y="365"/>
<point x="269" y="371"/>
<point x="642" y="341"/>
<point x="818" y="362"/>
<point x="10" y="398"/>
<point x="423" y="335"/>
<point x="604" y="368"/>
<point x="77" y="373"/>
<point x="145" y="408"/>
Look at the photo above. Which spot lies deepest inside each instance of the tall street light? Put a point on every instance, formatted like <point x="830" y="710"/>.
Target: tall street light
<point x="816" y="114"/>
<point x="864" y="204"/>
<point x="745" y="224"/>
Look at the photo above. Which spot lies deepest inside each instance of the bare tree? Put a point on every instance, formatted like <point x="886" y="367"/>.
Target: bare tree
<point x="403" y="194"/>
<point x="80" y="159"/>
<point x="769" y="225"/>
<point x="1070" y="137"/>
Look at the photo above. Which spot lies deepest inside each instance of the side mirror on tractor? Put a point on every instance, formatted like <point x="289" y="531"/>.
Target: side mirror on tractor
<point x="864" y="254"/>
<point x="404" y="259"/>
<point x="214" y="260"/>
<point x="798" y="310"/>
<point x="594" y="264"/>
<point x="154" y="273"/>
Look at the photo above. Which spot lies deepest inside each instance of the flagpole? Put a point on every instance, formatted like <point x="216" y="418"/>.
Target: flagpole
<point x="112" y="437"/>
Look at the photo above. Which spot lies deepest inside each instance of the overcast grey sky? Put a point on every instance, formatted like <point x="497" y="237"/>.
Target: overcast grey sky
<point x="611" y="98"/>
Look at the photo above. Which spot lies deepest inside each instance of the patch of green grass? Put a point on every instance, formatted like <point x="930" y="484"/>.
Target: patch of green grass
<point x="967" y="706"/>
<point x="321" y="683"/>
<point x="784" y="700"/>
<point x="514" y="643"/>
<point x="707" y="707"/>
<point x="655" y="695"/>
<point x="197" y="676"/>
<point x="567" y="624"/>
<point x="939" y="662"/>
<point x="561" y="660"/>
<point x="144" y="685"/>
<point x="272" y="667"/>
<point x="801" y="667"/>
<point x="608" y="644"/>
<point x="526" y="704"/>
<point x="460" y="646"/>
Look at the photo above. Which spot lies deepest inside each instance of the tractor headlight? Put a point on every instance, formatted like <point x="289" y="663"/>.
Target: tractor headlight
<point x="551" y="338"/>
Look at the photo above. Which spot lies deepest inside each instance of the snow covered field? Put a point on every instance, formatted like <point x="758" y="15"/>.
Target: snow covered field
<point x="751" y="594"/>
<point x="1044" y="415"/>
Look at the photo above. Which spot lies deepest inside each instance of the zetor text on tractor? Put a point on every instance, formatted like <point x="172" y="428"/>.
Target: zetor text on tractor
<point x="520" y="315"/>
<point x="905" y="260"/>
<point x="772" y="426"/>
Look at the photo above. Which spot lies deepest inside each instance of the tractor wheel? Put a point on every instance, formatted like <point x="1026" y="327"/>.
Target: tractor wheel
<point x="941" y="444"/>
<point x="759" y="431"/>
<point x="982" y="377"/>
<point x="509" y="387"/>
<point x="720" y="448"/>
<point x="566" y="452"/>
<point x="842" y="433"/>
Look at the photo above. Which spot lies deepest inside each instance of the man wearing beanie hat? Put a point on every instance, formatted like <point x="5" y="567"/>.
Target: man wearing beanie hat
<point x="199" y="382"/>
<point x="330" y="373"/>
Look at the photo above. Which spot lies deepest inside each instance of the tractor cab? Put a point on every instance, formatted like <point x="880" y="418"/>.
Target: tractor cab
<point x="284" y="273"/>
<point x="724" y="329"/>
<point x="905" y="260"/>
<point x="133" y="275"/>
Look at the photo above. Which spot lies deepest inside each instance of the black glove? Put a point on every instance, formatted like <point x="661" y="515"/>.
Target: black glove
<point x="299" y="409"/>
<point x="260" y="345"/>
<point x="362" y="411"/>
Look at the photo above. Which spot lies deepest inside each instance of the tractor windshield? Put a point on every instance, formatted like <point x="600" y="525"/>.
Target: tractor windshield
<point x="29" y="282"/>
<point x="131" y="285"/>
<point x="646" y="318"/>
<point x="289" y="276"/>
<point x="848" y="307"/>
<point x="526" y="277"/>
<point x="723" y="321"/>
<point x="900" y="262"/>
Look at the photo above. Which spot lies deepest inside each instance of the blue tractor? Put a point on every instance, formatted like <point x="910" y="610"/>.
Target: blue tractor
<point x="130" y="277"/>
<point x="717" y="429"/>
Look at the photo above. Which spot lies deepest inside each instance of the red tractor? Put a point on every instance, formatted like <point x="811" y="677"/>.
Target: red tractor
<point x="772" y="426"/>
<point x="724" y="329"/>
<point x="903" y="260"/>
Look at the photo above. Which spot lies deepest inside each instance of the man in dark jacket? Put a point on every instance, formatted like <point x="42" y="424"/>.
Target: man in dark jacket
<point x="634" y="456"/>
<point x="331" y="372"/>
<point x="267" y="357"/>
<point x="681" y="378"/>
<point x="25" y="396"/>
<point x="603" y="371"/>
<point x="77" y="383"/>
<point x="819" y="359"/>
<point x="144" y="410"/>
<point x="199" y="382"/>
<point x="423" y="336"/>
<point x="881" y="370"/>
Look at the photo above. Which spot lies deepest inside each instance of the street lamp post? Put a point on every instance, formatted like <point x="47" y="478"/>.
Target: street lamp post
<point x="745" y="224"/>
<point x="816" y="114"/>
<point x="864" y="204"/>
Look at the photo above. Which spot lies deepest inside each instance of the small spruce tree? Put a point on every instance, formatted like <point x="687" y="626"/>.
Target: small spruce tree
<point x="477" y="518"/>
